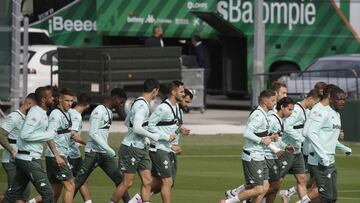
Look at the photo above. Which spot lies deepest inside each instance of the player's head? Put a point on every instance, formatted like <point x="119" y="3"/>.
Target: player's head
<point x="157" y="31"/>
<point x="267" y="98"/>
<point x="327" y="92"/>
<point x="280" y="89"/>
<point x="66" y="99"/>
<point x="151" y="86"/>
<point x="83" y="100"/>
<point x="29" y="102"/>
<point x="337" y="98"/>
<point x="176" y="90"/>
<point x="320" y="86"/>
<point x="187" y="98"/>
<point x="285" y="106"/>
<point x="44" y="97"/>
<point x="313" y="97"/>
<point x="118" y="98"/>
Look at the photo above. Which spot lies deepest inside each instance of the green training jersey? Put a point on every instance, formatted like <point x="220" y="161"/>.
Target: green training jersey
<point x="60" y="122"/>
<point x="100" y="121"/>
<point x="276" y="125"/>
<point x="323" y="133"/>
<point x="137" y="121"/>
<point x="294" y="125"/>
<point x="165" y="121"/>
<point x="33" y="134"/>
<point x="12" y="124"/>
<point x="257" y="127"/>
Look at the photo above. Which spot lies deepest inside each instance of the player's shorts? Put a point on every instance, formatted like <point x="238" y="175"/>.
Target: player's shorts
<point x="56" y="173"/>
<point x="75" y="165"/>
<point x="255" y="172"/>
<point x="173" y="160"/>
<point x="161" y="164"/>
<point x="133" y="159"/>
<point x="291" y="164"/>
<point x="326" y="177"/>
<point x="306" y="163"/>
<point x="273" y="167"/>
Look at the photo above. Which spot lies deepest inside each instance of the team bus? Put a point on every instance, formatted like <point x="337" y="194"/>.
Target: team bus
<point x="296" y="31"/>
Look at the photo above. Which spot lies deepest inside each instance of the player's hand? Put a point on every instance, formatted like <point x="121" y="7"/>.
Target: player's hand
<point x="274" y="136"/>
<point x="280" y="152"/>
<point x="341" y="135"/>
<point x="172" y="138"/>
<point x="185" y="131"/>
<point x="76" y="137"/>
<point x="265" y="140"/>
<point x="60" y="161"/>
<point x="176" y="148"/>
<point x="13" y="153"/>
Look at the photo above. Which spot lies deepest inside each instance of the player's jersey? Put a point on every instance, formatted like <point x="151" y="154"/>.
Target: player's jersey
<point x="294" y="125"/>
<point x="60" y="122"/>
<point x="165" y="121"/>
<point x="100" y="122"/>
<point x="13" y="124"/>
<point x="33" y="134"/>
<point x="256" y="128"/>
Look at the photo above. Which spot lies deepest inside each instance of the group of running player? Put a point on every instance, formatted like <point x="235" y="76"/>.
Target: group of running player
<point x="149" y="148"/>
<point x="286" y="137"/>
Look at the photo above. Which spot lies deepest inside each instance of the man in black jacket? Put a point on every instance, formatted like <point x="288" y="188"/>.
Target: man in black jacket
<point x="156" y="39"/>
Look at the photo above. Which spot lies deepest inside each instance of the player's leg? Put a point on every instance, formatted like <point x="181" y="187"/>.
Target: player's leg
<point x="110" y="166"/>
<point x="84" y="189"/>
<point x="40" y="180"/>
<point x="86" y="168"/>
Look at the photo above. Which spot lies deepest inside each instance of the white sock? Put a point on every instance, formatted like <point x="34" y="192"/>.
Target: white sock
<point x="88" y="201"/>
<point x="32" y="201"/>
<point x="233" y="200"/>
<point x="263" y="200"/>
<point x="239" y="189"/>
<point x="111" y="201"/>
<point x="291" y="191"/>
<point x="305" y="199"/>
<point x="135" y="198"/>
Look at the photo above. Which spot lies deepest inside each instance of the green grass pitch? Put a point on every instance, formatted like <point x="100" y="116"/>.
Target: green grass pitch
<point x="211" y="164"/>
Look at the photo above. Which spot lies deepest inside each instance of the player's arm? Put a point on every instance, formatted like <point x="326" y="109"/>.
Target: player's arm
<point x="344" y="149"/>
<point x="95" y="120"/>
<point x="54" y="124"/>
<point x="138" y="128"/>
<point x="4" y="141"/>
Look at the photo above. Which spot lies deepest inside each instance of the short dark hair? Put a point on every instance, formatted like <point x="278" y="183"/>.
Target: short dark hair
<point x="266" y="94"/>
<point x="196" y="38"/>
<point x="83" y="99"/>
<point x="314" y="93"/>
<point x="40" y="93"/>
<point x="175" y="84"/>
<point x="150" y="85"/>
<point x="118" y="92"/>
<point x="327" y="91"/>
<point x="189" y="93"/>
<point x="284" y="102"/>
<point x="156" y="27"/>
<point x="276" y="85"/>
<point x="66" y="91"/>
<point x="320" y="85"/>
<point x="31" y="96"/>
<point x="336" y="90"/>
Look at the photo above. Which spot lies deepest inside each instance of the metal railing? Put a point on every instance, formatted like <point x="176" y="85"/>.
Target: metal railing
<point x="300" y="83"/>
